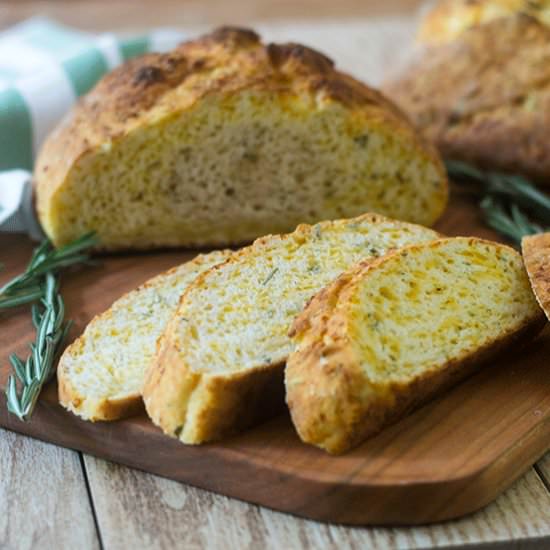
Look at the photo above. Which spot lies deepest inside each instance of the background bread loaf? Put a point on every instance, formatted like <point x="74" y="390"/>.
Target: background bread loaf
<point x="484" y="98"/>
<point x="448" y="19"/>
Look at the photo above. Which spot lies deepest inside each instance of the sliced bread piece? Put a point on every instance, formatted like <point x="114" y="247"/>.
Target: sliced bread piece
<point x="389" y="334"/>
<point x="221" y="358"/>
<point x="536" y="257"/>
<point x="224" y="139"/>
<point x="100" y="374"/>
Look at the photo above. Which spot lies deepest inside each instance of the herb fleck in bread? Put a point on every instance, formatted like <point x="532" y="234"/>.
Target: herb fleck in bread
<point x="223" y="353"/>
<point x="225" y="139"/>
<point x="100" y="375"/>
<point x="536" y="257"/>
<point x="389" y="334"/>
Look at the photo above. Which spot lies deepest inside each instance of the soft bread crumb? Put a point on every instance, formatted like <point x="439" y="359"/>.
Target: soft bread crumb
<point x="230" y="333"/>
<point x="390" y="333"/>
<point x="100" y="375"/>
<point x="225" y="139"/>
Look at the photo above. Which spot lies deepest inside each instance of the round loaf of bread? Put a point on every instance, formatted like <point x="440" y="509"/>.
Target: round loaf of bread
<point x="484" y="98"/>
<point x="224" y="139"/>
<point x="450" y="18"/>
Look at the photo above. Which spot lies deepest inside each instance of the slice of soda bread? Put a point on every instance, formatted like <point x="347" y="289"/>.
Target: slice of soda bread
<point x="100" y="374"/>
<point x="389" y="334"/>
<point x="536" y="257"/>
<point x="220" y="361"/>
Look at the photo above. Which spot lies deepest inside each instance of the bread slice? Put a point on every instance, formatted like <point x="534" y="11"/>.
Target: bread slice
<point x="225" y="139"/>
<point x="536" y="257"/>
<point x="220" y="361"/>
<point x="390" y="333"/>
<point x="449" y="19"/>
<point x="101" y="373"/>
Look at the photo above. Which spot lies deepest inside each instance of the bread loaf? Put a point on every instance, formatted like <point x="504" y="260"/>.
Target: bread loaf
<point x="219" y="365"/>
<point x="484" y="98"/>
<point x="225" y="139"/>
<point x="390" y="333"/>
<point x="100" y="374"/>
<point x="448" y="19"/>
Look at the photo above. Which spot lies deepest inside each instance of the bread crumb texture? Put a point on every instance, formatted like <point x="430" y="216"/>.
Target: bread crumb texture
<point x="224" y="139"/>
<point x="229" y="338"/>
<point x="388" y="334"/>
<point x="100" y="375"/>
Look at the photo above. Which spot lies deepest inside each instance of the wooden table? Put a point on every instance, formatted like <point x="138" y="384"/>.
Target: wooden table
<point x="57" y="498"/>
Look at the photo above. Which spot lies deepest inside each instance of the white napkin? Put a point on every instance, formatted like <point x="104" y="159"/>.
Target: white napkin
<point x="16" y="204"/>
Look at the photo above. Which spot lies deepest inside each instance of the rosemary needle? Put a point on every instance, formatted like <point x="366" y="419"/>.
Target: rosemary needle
<point x="511" y="204"/>
<point x="39" y="366"/>
<point x="26" y="287"/>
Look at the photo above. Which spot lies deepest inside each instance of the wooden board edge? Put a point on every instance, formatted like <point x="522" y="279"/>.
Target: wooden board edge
<point x="342" y="503"/>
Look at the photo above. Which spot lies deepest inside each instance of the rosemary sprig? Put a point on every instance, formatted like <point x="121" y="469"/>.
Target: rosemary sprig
<point x="511" y="204"/>
<point x="39" y="284"/>
<point x="28" y="287"/>
<point x="39" y="366"/>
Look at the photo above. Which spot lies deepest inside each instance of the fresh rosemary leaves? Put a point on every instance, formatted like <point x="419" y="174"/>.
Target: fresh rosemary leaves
<point x="510" y="203"/>
<point x="39" y="366"/>
<point x="39" y="284"/>
<point x="29" y="286"/>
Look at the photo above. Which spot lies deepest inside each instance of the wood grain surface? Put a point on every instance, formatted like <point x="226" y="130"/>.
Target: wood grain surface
<point x="131" y="505"/>
<point x="449" y="458"/>
<point x="544" y="468"/>
<point x="50" y="481"/>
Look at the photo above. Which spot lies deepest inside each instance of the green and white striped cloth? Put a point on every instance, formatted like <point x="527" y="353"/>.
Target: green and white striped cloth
<point x="44" y="68"/>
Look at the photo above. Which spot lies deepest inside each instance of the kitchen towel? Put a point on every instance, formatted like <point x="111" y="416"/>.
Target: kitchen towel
<point x="44" y="68"/>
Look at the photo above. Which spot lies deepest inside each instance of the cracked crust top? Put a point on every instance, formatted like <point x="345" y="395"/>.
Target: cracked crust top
<point x="153" y="86"/>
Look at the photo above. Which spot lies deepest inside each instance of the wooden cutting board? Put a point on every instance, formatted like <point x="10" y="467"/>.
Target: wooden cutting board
<point x="449" y="458"/>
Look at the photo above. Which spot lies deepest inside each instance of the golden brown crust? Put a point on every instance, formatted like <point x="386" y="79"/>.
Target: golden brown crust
<point x="485" y="97"/>
<point x="536" y="257"/>
<point x="448" y="19"/>
<point x="226" y="404"/>
<point x="156" y="86"/>
<point x="104" y="410"/>
<point x="343" y="407"/>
